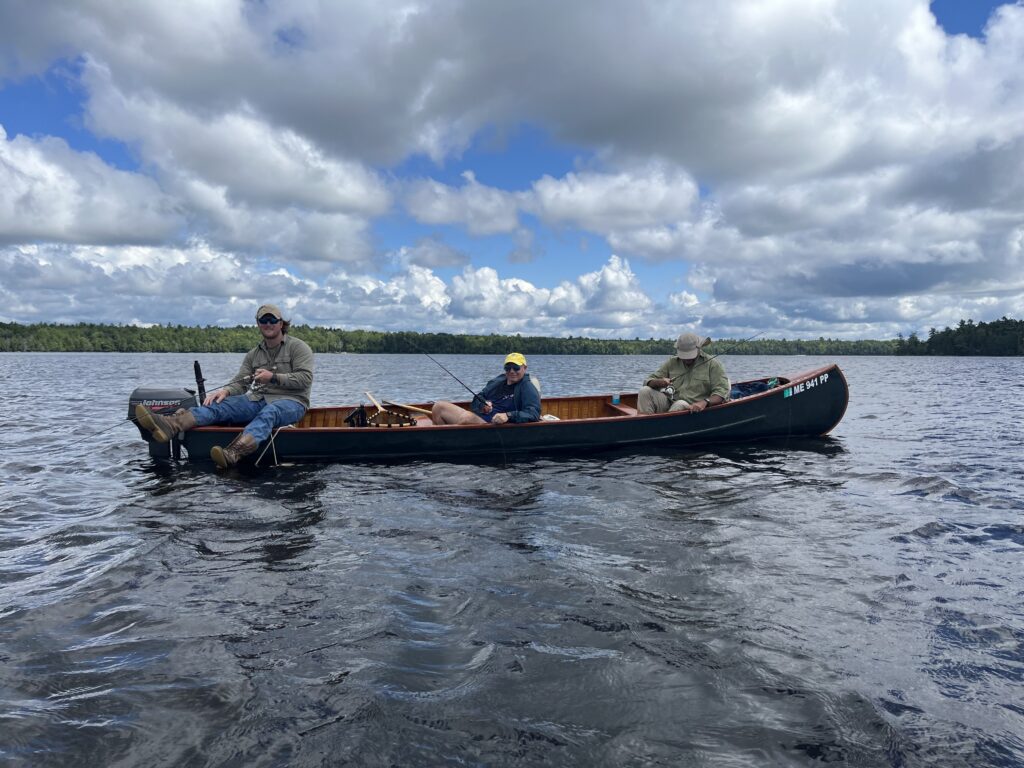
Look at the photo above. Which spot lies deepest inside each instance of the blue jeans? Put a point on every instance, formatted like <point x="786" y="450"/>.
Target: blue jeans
<point x="259" y="416"/>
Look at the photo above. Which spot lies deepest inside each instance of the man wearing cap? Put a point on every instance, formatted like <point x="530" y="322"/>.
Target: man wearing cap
<point x="511" y="397"/>
<point x="697" y="380"/>
<point x="278" y="374"/>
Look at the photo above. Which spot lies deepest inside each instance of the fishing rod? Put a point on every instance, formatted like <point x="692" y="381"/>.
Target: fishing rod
<point x="668" y="389"/>
<point x="734" y="346"/>
<point x="418" y="349"/>
<point x="474" y="394"/>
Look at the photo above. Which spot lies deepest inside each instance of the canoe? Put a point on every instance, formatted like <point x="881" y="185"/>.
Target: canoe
<point x="808" y="404"/>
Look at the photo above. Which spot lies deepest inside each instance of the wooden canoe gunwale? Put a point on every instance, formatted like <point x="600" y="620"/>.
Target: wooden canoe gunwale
<point x="810" y="410"/>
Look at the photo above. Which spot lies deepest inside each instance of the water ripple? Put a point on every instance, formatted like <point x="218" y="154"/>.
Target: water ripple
<point x="853" y="600"/>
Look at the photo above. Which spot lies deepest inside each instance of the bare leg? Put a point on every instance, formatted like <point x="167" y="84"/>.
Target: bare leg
<point x="449" y="413"/>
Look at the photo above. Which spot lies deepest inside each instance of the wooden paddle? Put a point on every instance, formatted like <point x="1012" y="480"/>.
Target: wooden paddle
<point x="380" y="408"/>
<point x="408" y="407"/>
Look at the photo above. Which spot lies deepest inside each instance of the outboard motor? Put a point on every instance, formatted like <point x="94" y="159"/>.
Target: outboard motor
<point x="161" y="401"/>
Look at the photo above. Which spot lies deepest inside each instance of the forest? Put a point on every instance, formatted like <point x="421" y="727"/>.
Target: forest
<point x="87" y="337"/>
<point x="1002" y="337"/>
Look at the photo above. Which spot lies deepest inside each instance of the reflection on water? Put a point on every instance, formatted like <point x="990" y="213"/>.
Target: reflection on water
<point x="852" y="600"/>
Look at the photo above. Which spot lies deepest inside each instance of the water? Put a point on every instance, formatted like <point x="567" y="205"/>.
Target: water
<point x="854" y="601"/>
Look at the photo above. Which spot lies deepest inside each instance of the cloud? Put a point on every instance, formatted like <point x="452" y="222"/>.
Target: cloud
<point x="525" y="249"/>
<point x="49" y="192"/>
<point x="605" y="202"/>
<point x="255" y="162"/>
<point x="481" y="209"/>
<point x="806" y="165"/>
<point x="607" y="300"/>
<point x="433" y="253"/>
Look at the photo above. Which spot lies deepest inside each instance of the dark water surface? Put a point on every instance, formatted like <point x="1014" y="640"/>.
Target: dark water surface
<point x="852" y="601"/>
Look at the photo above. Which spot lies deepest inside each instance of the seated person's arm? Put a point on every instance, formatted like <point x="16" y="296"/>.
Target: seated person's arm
<point x="719" y="384"/>
<point x="480" y="404"/>
<point x="530" y="404"/>
<point x="659" y="379"/>
<point x="241" y="381"/>
<point x="301" y="375"/>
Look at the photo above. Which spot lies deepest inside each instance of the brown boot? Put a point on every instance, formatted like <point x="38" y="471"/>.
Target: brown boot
<point x="241" y="446"/>
<point x="164" y="427"/>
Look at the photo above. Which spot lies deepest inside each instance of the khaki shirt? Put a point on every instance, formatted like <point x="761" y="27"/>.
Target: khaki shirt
<point x="706" y="377"/>
<point x="292" y="364"/>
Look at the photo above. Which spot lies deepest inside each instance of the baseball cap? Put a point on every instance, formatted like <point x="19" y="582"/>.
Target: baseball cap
<point x="269" y="309"/>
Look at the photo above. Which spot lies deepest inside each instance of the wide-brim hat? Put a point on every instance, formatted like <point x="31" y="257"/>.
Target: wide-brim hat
<point x="688" y="345"/>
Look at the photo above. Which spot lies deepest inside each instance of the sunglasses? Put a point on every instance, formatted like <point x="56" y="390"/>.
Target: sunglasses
<point x="269" y="320"/>
<point x="512" y="367"/>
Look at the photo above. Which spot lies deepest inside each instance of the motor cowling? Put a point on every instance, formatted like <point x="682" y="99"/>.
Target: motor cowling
<point x="161" y="400"/>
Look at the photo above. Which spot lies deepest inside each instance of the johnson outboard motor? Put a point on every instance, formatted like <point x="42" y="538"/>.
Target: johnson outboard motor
<point x="162" y="401"/>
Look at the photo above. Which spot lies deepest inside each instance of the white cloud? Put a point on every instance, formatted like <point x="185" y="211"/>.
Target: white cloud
<point x="604" y="301"/>
<point x="50" y="192"/>
<point x="433" y="253"/>
<point x="604" y="202"/>
<point x="255" y="162"/>
<point x="481" y="209"/>
<point x="819" y="162"/>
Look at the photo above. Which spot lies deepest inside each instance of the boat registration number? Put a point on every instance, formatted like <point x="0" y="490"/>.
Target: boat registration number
<point x="796" y="389"/>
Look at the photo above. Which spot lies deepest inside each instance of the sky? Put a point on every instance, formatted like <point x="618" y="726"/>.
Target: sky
<point x="851" y="169"/>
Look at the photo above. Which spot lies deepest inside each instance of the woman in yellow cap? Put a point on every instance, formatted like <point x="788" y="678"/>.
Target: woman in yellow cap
<point x="508" y="398"/>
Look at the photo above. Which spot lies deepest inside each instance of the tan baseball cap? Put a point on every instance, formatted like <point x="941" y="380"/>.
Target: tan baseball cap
<point x="269" y="309"/>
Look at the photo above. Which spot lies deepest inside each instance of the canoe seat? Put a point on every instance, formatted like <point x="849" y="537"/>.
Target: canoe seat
<point x="573" y="408"/>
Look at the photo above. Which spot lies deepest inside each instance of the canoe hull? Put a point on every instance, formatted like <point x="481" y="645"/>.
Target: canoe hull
<point x="807" y="405"/>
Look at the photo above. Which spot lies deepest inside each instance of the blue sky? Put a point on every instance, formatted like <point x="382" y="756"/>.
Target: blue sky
<point x="799" y="169"/>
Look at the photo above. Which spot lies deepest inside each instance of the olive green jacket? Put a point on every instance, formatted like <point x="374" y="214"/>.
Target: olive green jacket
<point x="706" y="377"/>
<point x="292" y="364"/>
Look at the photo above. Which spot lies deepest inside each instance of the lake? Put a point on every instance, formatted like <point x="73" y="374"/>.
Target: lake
<point x="854" y="600"/>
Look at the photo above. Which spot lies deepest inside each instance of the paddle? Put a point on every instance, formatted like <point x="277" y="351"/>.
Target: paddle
<point x="380" y="408"/>
<point x="408" y="407"/>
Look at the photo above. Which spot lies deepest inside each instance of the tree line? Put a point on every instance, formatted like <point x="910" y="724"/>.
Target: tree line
<point x="89" y="337"/>
<point x="1001" y="337"/>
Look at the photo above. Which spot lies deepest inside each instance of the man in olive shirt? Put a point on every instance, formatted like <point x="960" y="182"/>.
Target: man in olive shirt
<point x="271" y="390"/>
<point x="697" y="380"/>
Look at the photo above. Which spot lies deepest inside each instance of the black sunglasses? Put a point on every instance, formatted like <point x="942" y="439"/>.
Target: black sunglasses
<point x="269" y="320"/>
<point x="512" y="367"/>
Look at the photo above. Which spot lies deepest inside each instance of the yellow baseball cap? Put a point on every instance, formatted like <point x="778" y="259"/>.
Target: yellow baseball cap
<point x="516" y="358"/>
